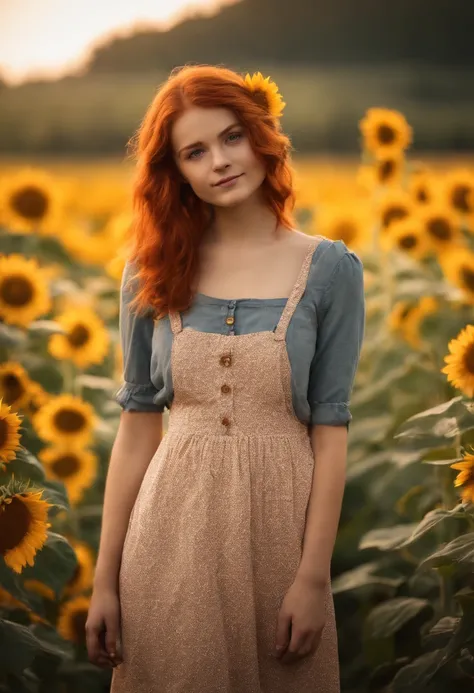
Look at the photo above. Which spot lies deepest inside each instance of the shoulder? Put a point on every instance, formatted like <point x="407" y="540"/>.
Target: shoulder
<point x="334" y="263"/>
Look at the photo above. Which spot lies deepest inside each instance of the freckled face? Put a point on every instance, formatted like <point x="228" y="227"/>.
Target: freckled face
<point x="210" y="145"/>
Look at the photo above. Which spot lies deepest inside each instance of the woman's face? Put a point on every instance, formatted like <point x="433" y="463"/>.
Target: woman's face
<point x="209" y="146"/>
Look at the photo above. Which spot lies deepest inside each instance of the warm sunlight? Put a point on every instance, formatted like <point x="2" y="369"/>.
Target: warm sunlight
<point x="51" y="37"/>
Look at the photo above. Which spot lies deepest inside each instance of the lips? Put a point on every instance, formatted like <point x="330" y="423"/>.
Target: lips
<point x="226" y="180"/>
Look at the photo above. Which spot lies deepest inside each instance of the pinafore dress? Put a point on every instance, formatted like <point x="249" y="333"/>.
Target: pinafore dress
<point x="215" y="536"/>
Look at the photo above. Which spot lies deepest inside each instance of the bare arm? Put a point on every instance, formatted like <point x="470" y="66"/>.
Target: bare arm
<point x="329" y="445"/>
<point x="138" y="437"/>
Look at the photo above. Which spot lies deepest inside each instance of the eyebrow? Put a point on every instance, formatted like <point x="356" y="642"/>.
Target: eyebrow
<point x="198" y="144"/>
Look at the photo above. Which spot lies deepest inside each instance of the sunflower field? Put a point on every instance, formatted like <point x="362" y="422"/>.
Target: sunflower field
<point x="404" y="557"/>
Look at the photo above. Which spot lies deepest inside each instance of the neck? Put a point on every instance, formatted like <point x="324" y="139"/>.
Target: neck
<point x="250" y="223"/>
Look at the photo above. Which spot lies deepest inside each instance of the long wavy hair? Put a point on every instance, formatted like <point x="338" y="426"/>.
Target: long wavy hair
<point x="169" y="219"/>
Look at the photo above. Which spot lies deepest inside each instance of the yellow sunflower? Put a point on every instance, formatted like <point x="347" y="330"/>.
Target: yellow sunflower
<point x="350" y="222"/>
<point x="385" y="132"/>
<point x="24" y="290"/>
<point x="465" y="478"/>
<point x="31" y="201"/>
<point x="72" y="619"/>
<point x="38" y="587"/>
<point x="7" y="601"/>
<point x="86" y="340"/>
<point x="393" y="206"/>
<point x="459" y="187"/>
<point x="266" y="93"/>
<point x="406" y="319"/>
<point x="84" y="574"/>
<point x="424" y="187"/>
<point x="14" y="384"/>
<point x="65" y="419"/>
<point x="458" y="267"/>
<point x="88" y="248"/>
<point x="385" y="171"/>
<point x="10" y="424"/>
<point x="38" y="397"/>
<point x="74" y="466"/>
<point x="441" y="226"/>
<point x="408" y="237"/>
<point x="23" y="527"/>
<point x="460" y="361"/>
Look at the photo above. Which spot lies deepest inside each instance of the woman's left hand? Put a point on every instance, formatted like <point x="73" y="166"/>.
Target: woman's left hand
<point x="300" y="621"/>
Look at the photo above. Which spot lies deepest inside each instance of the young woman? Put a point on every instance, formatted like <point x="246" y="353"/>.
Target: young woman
<point x="213" y="574"/>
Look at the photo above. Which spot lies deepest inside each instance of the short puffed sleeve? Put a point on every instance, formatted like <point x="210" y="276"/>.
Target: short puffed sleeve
<point x="136" y="333"/>
<point x="341" y="325"/>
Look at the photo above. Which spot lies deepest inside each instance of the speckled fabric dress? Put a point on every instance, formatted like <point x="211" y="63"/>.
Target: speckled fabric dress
<point x="215" y="536"/>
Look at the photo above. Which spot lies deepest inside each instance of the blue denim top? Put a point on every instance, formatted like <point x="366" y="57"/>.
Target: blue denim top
<point x="324" y="338"/>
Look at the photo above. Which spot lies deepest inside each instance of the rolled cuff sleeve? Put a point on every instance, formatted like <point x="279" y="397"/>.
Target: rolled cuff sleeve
<point x="138" y="398"/>
<point x="137" y="392"/>
<point x="338" y="344"/>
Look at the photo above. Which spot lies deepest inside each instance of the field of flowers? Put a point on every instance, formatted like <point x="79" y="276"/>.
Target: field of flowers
<point x="403" y="564"/>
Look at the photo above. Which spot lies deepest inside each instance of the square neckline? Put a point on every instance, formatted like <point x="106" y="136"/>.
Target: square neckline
<point x="207" y="299"/>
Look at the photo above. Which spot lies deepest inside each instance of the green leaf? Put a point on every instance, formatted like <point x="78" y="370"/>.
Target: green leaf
<point x="389" y="617"/>
<point x="416" y="675"/>
<point x="439" y="423"/>
<point x="362" y="576"/>
<point x="387" y="538"/>
<point x="457" y="551"/>
<point x="10" y="581"/>
<point x="11" y="336"/>
<point x="54" y="564"/>
<point x="45" y="328"/>
<point x="18" y="647"/>
<point x="95" y="382"/>
<point x="431" y="519"/>
<point x="24" y="466"/>
<point x="55" y="492"/>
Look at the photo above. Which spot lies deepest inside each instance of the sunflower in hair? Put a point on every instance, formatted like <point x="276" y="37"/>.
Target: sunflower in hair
<point x="266" y="92"/>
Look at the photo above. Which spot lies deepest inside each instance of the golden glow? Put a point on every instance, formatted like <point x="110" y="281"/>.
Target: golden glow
<point x="51" y="37"/>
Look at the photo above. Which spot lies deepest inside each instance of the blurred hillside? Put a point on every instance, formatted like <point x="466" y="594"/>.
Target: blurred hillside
<point x="331" y="62"/>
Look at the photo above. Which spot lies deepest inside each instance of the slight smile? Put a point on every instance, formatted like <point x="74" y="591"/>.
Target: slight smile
<point x="227" y="181"/>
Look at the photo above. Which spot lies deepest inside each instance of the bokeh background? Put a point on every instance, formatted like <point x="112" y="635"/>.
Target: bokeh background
<point x="380" y="110"/>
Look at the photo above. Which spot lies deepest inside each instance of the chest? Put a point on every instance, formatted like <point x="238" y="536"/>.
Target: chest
<point x="260" y="274"/>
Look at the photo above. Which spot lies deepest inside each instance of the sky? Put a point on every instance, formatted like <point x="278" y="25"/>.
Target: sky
<point x="48" y="38"/>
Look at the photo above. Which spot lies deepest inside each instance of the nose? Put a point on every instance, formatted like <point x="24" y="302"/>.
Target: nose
<point x="220" y="160"/>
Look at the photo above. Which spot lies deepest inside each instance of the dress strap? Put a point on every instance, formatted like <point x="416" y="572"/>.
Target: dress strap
<point x="175" y="321"/>
<point x="298" y="290"/>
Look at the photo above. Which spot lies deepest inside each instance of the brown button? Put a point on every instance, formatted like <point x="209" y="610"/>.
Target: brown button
<point x="230" y="320"/>
<point x="225" y="360"/>
<point x="225" y="421"/>
<point x="225" y="388"/>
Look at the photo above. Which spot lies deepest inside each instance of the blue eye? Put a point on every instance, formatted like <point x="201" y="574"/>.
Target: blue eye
<point x="194" y="152"/>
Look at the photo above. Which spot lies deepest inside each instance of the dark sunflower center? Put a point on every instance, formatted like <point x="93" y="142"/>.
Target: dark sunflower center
<point x="12" y="387"/>
<point x="15" y="521"/>
<point x="422" y="194"/>
<point x="30" y="202"/>
<point x="69" y="420"/>
<point x="16" y="290"/>
<point x="460" y="198"/>
<point x="4" y="430"/>
<point x="393" y="213"/>
<point x="469" y="362"/>
<point x="405" y="312"/>
<point x="78" y="623"/>
<point x="65" y="466"/>
<point x="408" y="241"/>
<point x="78" y="336"/>
<point x="346" y="231"/>
<point x="440" y="228"/>
<point x="386" y="170"/>
<point x="467" y="277"/>
<point x="386" y="134"/>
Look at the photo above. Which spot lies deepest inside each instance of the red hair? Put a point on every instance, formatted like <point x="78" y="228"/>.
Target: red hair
<point x="169" y="219"/>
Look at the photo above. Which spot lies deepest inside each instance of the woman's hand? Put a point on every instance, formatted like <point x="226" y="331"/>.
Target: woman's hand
<point x="103" y="629"/>
<point x="300" y="621"/>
